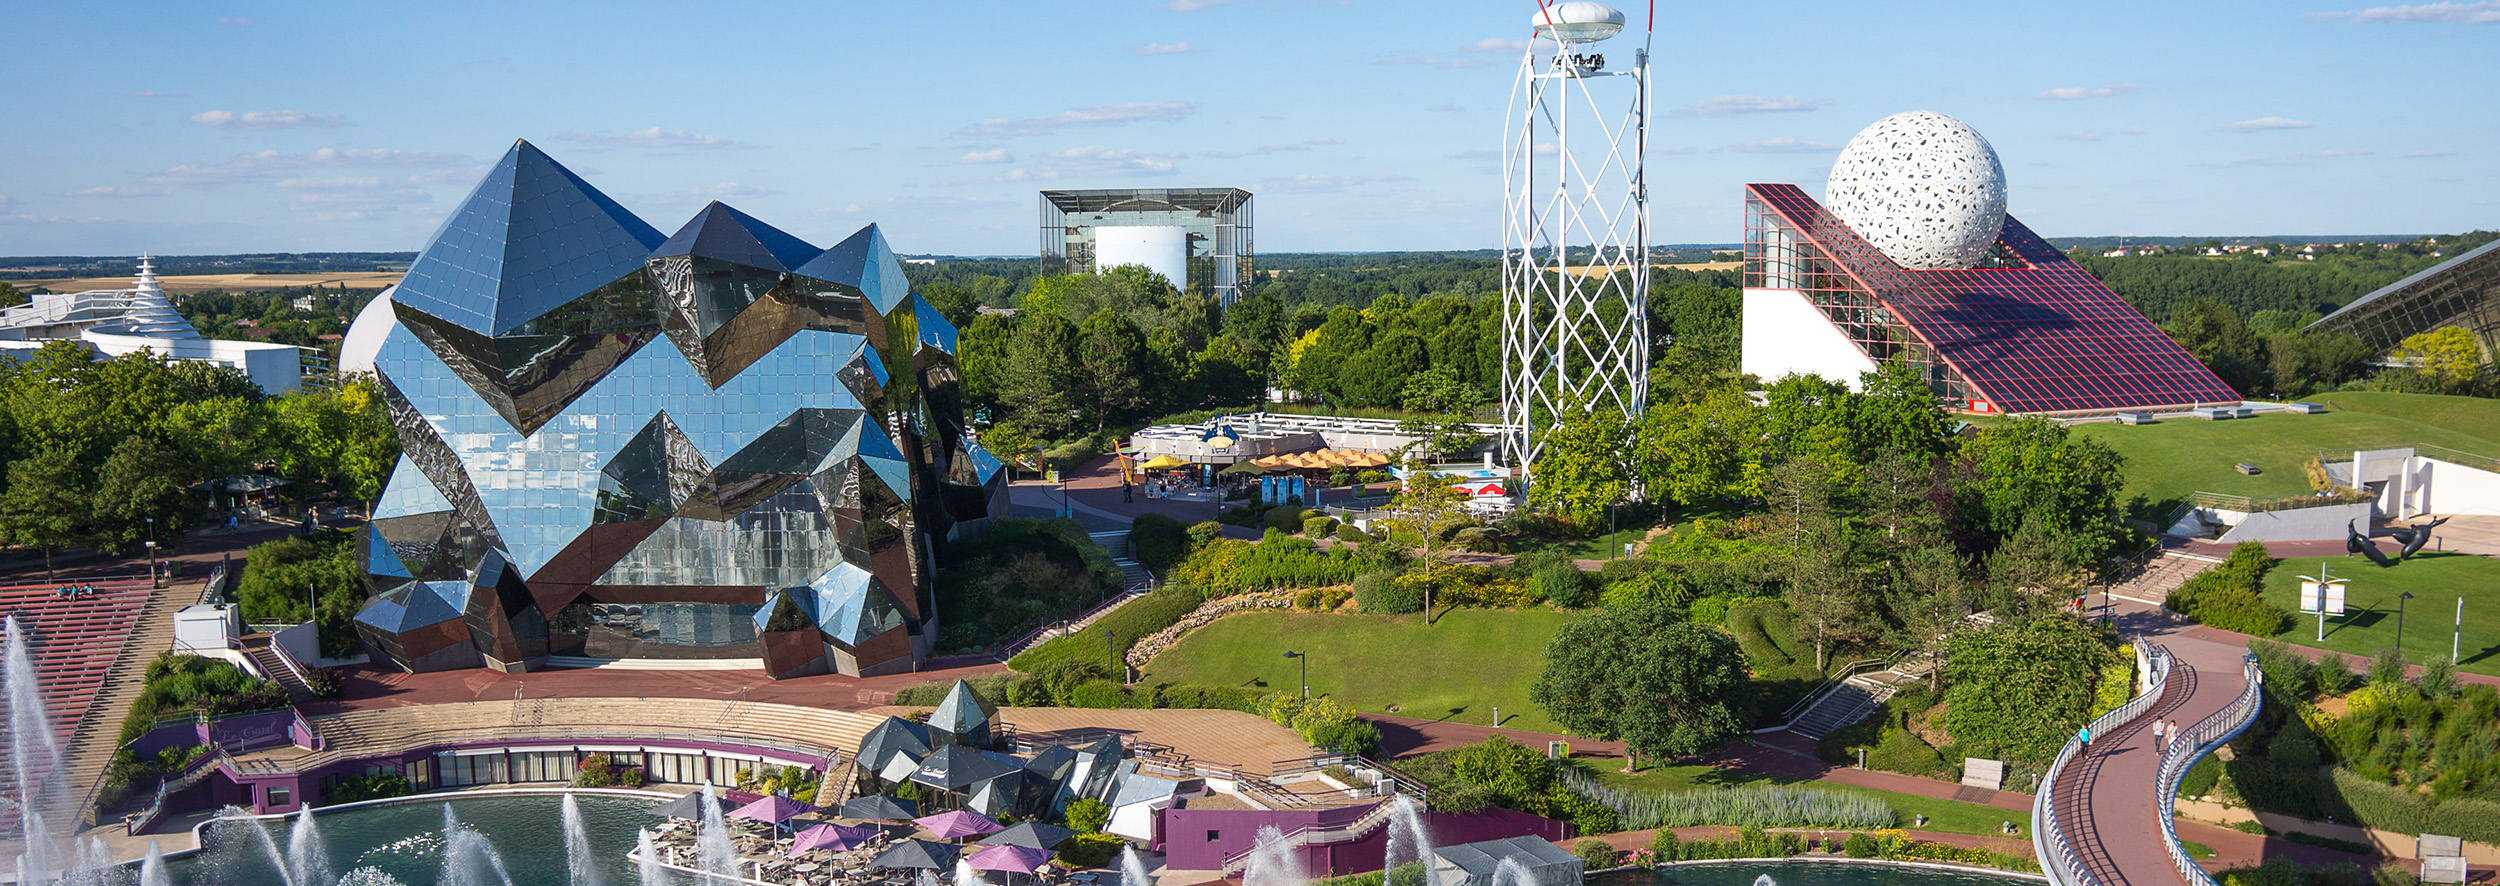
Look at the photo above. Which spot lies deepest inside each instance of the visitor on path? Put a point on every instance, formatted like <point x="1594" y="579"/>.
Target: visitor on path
<point x="2161" y="736"/>
<point x="2084" y="735"/>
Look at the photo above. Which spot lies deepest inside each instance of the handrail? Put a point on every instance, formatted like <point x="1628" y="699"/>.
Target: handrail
<point x="2048" y="834"/>
<point x="505" y="733"/>
<point x="301" y="671"/>
<point x="138" y="823"/>
<point x="2209" y="733"/>
<point x="1789" y="717"/>
<point x="1064" y="627"/>
<point x="1372" y="819"/>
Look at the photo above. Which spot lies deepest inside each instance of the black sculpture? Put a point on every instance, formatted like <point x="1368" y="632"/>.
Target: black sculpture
<point x="2413" y="538"/>
<point x="2355" y="543"/>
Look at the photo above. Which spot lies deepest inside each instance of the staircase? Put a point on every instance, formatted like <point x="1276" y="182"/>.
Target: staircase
<point x="91" y="746"/>
<point x="257" y="648"/>
<point x="2157" y="579"/>
<point x="1131" y="574"/>
<point x="836" y="788"/>
<point x="1856" y="697"/>
<point x="1116" y="542"/>
<point x="1372" y="820"/>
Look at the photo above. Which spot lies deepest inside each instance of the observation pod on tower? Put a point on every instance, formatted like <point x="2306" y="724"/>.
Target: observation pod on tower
<point x="1575" y="227"/>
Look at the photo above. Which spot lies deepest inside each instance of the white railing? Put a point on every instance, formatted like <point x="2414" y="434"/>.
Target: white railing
<point x="2048" y="834"/>
<point x="1362" y="826"/>
<point x="2201" y="739"/>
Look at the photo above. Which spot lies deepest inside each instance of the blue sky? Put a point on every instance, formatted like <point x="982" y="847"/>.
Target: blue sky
<point x="1360" y="124"/>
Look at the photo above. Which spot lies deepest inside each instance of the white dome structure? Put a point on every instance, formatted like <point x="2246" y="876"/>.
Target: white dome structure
<point x="363" y="341"/>
<point x="1577" y="21"/>
<point x="1923" y="187"/>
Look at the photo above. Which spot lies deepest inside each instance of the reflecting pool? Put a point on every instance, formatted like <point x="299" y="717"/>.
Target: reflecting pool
<point x="405" y="840"/>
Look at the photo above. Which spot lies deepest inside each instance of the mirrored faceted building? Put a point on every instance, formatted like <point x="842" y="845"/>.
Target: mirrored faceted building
<point x="725" y="443"/>
<point x="2463" y="291"/>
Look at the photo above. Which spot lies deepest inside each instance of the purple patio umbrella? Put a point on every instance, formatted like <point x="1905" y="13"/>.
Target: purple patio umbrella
<point x="950" y="825"/>
<point x="774" y="810"/>
<point x="831" y="836"/>
<point x="1010" y="858"/>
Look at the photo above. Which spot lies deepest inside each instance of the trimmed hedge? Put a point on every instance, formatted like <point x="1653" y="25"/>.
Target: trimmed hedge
<point x="1160" y="542"/>
<point x="2226" y="596"/>
<point x="1379" y="591"/>
<point x="1128" y="624"/>
<point x="1226" y="567"/>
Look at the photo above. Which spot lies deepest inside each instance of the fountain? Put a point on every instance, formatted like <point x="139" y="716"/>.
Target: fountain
<point x="152" y="870"/>
<point x="468" y="859"/>
<point x="581" y="866"/>
<point x="1511" y="873"/>
<point x="234" y="818"/>
<point x="1408" y="843"/>
<point x="1133" y="868"/>
<point x="647" y="861"/>
<point x="33" y="757"/>
<point x="1765" y="880"/>
<point x="307" y="858"/>
<point x="926" y="878"/>
<point x="964" y="875"/>
<point x="367" y="877"/>
<point x="713" y="853"/>
<point x="1272" y="863"/>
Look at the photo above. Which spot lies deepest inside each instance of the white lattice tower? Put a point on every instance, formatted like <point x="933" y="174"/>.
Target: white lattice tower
<point x="1575" y="258"/>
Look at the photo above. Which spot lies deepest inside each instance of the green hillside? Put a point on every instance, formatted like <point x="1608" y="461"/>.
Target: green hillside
<point x="2178" y="456"/>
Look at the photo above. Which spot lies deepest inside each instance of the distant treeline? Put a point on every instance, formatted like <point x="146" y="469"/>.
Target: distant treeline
<point x="30" y="267"/>
<point x="2247" y="283"/>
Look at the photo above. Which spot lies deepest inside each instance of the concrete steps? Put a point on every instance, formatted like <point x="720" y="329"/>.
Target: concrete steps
<point x="656" y="664"/>
<point x="2153" y="584"/>
<point x="91" y="746"/>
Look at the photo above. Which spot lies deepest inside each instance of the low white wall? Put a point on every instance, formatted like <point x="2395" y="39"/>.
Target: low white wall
<point x="1785" y="334"/>
<point x="2326" y="523"/>
<point x="2451" y="489"/>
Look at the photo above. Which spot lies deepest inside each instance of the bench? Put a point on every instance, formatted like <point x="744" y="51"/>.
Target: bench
<point x="1983" y="774"/>
<point x="2443" y="858"/>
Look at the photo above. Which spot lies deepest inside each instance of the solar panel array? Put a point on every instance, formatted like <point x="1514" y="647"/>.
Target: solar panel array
<point x="2043" y="338"/>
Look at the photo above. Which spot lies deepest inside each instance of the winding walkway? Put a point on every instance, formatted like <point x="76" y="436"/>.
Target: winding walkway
<point x="2107" y="798"/>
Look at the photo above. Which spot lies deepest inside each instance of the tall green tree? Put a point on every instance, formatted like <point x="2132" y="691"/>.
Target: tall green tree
<point x="47" y="503"/>
<point x="1112" y="364"/>
<point x="2018" y="690"/>
<point x="1584" y="467"/>
<point x="1038" y="388"/>
<point x="2032" y="468"/>
<point x="1643" y="675"/>
<point x="141" y="495"/>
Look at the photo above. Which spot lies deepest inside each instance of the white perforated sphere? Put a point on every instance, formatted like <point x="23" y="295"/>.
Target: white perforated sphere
<point x="1923" y="187"/>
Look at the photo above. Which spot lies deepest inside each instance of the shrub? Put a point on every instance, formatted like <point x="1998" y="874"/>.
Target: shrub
<point x="372" y="786"/>
<point x="1858" y="846"/>
<point x="1353" y="533"/>
<point x="632" y="777"/>
<point x="1158" y="541"/>
<point x="1087" y="815"/>
<point x="1564" y="584"/>
<point x="324" y="683"/>
<point x="1379" y="591"/>
<point x="1595" y="854"/>
<point x="1323" y="722"/>
<point x="275" y="574"/>
<point x="1322" y="599"/>
<point x="1770" y="806"/>
<point x="2201" y="778"/>
<point x="1476" y="539"/>
<point x="1319" y="527"/>
<point x="1709" y="610"/>
<point x="1287" y="518"/>
<point x="2226" y="596"/>
<point x="1227" y="567"/>
<point x="1624" y="569"/>
<point x="1204" y="532"/>
<point x="1663" y="845"/>
<point x="1193" y="695"/>
<point x="1767" y="631"/>
<point x="595" y="771"/>
<point x="1089" y="850"/>
<point x="1097" y="694"/>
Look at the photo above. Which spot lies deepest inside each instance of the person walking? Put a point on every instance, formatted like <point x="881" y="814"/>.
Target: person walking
<point x="2084" y="735"/>
<point x="2161" y="736"/>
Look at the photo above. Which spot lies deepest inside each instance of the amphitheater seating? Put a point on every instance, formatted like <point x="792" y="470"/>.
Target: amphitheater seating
<point x="353" y="734"/>
<point x="74" y="637"/>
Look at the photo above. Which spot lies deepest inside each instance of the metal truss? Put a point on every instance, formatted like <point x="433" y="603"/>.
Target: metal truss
<point x="1575" y="257"/>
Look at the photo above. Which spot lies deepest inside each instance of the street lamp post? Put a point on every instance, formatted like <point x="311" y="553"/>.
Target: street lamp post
<point x="1110" y="641"/>
<point x="2400" y="618"/>
<point x="152" y="582"/>
<point x="2455" y="639"/>
<point x="1306" y="671"/>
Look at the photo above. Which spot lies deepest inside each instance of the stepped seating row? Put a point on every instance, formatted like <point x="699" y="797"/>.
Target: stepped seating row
<point x="383" y="730"/>
<point x="73" y="640"/>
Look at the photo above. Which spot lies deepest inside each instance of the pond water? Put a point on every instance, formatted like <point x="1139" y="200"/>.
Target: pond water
<point x="405" y="840"/>
<point x="1804" y="873"/>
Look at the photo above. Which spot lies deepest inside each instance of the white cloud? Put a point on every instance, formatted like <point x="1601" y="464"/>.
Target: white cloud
<point x="1498" y="45"/>
<point x="263" y="119"/>
<point x="2262" y="124"/>
<point x="1731" y="105"/>
<point x="1782" y="145"/>
<point x="993" y="155"/>
<point x="721" y="191"/>
<point x="2071" y="93"/>
<point x="1097" y="160"/>
<point x="1447" y="108"/>
<point x="1420" y="61"/>
<point x="655" y="139"/>
<point x="1324" y="184"/>
<point x="274" y="164"/>
<point x="342" y="183"/>
<point x="2132" y="130"/>
<point x="1091" y="115"/>
<point x="2483" y="12"/>
<point x="2081" y="135"/>
<point x="1160" y="49"/>
<point x="113" y="191"/>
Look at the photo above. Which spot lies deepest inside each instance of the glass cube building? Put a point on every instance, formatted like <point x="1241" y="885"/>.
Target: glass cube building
<point x="725" y="443"/>
<point x="2463" y="291"/>
<point x="2026" y="332"/>
<point x="1199" y="238"/>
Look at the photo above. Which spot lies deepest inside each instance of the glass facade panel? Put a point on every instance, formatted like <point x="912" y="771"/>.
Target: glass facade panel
<point x="1216" y="222"/>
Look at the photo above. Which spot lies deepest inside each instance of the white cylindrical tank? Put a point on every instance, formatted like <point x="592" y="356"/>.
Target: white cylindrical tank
<point x="1163" y="249"/>
<point x="1578" y="21"/>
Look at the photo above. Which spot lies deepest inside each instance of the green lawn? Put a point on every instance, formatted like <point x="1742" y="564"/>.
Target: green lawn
<point x="1460" y="669"/>
<point x="1949" y="816"/>
<point x="2475" y="416"/>
<point x="2369" y="622"/>
<point x="1610" y="546"/>
<point x="2177" y="456"/>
